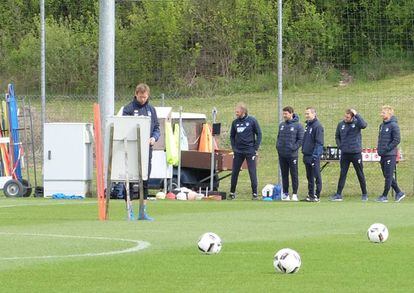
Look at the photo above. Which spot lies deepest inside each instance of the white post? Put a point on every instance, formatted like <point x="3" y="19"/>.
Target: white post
<point x="43" y="70"/>
<point x="180" y="125"/>
<point x="280" y="69"/>
<point x="106" y="75"/>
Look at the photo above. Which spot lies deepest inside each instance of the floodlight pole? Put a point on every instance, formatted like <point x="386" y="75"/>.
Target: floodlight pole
<point x="280" y="69"/>
<point x="106" y="75"/>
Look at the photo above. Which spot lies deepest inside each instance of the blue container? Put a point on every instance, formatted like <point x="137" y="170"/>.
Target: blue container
<point x="277" y="192"/>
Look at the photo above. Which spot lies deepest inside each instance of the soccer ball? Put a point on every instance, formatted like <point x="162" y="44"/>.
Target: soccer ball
<point x="377" y="233"/>
<point x="287" y="261"/>
<point x="209" y="243"/>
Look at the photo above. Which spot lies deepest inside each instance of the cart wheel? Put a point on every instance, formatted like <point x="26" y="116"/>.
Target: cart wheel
<point x="13" y="188"/>
<point x="27" y="189"/>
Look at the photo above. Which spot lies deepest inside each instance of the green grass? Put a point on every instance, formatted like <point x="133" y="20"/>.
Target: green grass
<point x="330" y="237"/>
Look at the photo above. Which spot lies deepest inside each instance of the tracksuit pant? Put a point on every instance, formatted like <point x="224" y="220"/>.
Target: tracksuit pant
<point x="356" y="160"/>
<point x="238" y="160"/>
<point x="313" y="174"/>
<point x="388" y="165"/>
<point x="289" y="164"/>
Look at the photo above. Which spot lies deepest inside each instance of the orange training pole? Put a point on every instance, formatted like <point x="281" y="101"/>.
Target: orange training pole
<point x="100" y="185"/>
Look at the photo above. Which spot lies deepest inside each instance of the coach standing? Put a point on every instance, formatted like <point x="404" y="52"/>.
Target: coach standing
<point x="140" y="107"/>
<point x="312" y="149"/>
<point x="245" y="138"/>
<point x="388" y="140"/>
<point x="349" y="141"/>
<point x="289" y="140"/>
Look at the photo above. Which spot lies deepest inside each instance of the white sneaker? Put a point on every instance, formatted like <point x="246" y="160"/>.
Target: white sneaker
<point x="285" y="197"/>
<point x="294" y="197"/>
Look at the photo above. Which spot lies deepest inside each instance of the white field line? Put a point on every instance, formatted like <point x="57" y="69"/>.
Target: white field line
<point x="139" y="245"/>
<point x="44" y="204"/>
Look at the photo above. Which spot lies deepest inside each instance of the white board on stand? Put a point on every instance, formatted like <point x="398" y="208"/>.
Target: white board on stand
<point x="126" y="127"/>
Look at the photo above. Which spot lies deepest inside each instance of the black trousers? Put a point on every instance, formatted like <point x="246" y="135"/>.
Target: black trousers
<point x="289" y="164"/>
<point x="313" y="174"/>
<point x="238" y="160"/>
<point x="356" y="160"/>
<point x="388" y="164"/>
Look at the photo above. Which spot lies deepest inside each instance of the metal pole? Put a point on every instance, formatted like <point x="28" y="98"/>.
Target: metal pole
<point x="180" y="124"/>
<point x="106" y="75"/>
<point x="212" y="167"/>
<point x="280" y="69"/>
<point x="42" y="72"/>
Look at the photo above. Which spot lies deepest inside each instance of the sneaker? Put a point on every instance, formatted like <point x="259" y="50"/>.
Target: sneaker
<point x="285" y="197"/>
<point x="364" y="197"/>
<point x="399" y="196"/>
<point x="232" y="196"/>
<point x="254" y="196"/>
<point x="315" y="199"/>
<point x="382" y="198"/>
<point x="143" y="216"/>
<point x="294" y="197"/>
<point x="336" y="197"/>
<point x="308" y="199"/>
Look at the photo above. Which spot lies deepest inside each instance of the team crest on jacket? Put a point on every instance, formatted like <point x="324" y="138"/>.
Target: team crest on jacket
<point x="282" y="127"/>
<point x="387" y="129"/>
<point x="292" y="128"/>
<point x="149" y="113"/>
<point x="240" y="129"/>
<point x="343" y="127"/>
<point x="247" y="123"/>
<point x="353" y="125"/>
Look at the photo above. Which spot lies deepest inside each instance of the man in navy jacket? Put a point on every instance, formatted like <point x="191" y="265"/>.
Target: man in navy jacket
<point x="141" y="107"/>
<point x="289" y="140"/>
<point x="312" y="149"/>
<point x="245" y="138"/>
<point x="349" y="141"/>
<point x="388" y="140"/>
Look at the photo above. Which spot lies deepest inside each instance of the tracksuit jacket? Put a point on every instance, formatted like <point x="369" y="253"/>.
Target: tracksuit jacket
<point x="290" y="137"/>
<point x="348" y="135"/>
<point x="388" y="137"/>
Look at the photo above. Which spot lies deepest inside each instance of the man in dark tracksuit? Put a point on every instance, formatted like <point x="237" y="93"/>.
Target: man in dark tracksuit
<point x="349" y="141"/>
<point x="312" y="148"/>
<point x="245" y="138"/>
<point x="289" y="140"/>
<point x="388" y="140"/>
<point x="141" y="107"/>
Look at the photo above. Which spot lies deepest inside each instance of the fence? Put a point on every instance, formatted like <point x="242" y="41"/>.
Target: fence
<point x="200" y="54"/>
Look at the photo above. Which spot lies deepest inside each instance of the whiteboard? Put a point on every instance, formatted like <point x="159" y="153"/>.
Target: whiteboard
<point x="126" y="127"/>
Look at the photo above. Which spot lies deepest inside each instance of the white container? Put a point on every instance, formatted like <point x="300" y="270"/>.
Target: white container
<point x="67" y="159"/>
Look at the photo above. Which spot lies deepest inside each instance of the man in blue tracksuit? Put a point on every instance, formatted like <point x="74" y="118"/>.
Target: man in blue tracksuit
<point x="388" y="140"/>
<point x="312" y="148"/>
<point x="141" y="107"/>
<point x="349" y="141"/>
<point x="289" y="140"/>
<point x="245" y="138"/>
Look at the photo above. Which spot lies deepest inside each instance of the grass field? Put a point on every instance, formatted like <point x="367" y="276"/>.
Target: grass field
<point x="37" y="234"/>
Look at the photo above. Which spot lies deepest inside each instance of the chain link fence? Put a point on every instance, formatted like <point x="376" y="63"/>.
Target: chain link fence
<point x="337" y="55"/>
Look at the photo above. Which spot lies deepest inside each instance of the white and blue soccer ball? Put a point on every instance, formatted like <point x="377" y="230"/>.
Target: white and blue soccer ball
<point x="377" y="233"/>
<point x="209" y="243"/>
<point x="287" y="261"/>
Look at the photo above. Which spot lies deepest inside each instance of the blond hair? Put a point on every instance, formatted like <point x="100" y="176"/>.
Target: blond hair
<point x="242" y="106"/>
<point x="142" y="88"/>
<point x="388" y="108"/>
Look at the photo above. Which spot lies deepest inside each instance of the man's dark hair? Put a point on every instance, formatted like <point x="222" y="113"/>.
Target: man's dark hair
<point x="288" y="109"/>
<point x="349" y="112"/>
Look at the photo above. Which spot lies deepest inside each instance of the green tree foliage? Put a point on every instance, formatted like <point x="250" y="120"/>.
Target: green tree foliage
<point x="185" y="43"/>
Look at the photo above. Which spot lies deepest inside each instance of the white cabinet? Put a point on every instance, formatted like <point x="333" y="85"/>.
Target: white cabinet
<point x="67" y="159"/>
